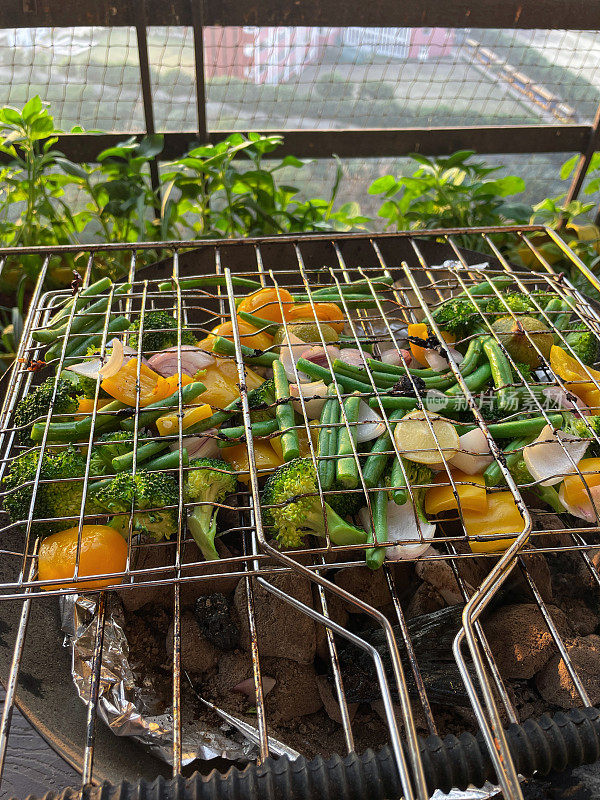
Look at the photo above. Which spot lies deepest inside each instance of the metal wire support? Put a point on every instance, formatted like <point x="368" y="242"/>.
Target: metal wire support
<point x="425" y="271"/>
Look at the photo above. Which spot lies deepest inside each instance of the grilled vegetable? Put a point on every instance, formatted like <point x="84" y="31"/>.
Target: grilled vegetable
<point x="266" y="303"/>
<point x="209" y="481"/>
<point x="426" y="438"/>
<point x="285" y="414"/>
<point x="346" y="469"/>
<point x="524" y="338"/>
<point x="35" y="406"/>
<point x="102" y="550"/>
<point x="485" y="528"/>
<point x="159" y="332"/>
<point x="58" y="494"/>
<point x="584" y="343"/>
<point x="470" y="493"/>
<point x="292" y="508"/>
<point x="143" y="499"/>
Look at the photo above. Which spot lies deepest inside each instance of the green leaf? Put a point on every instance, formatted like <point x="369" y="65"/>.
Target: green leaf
<point x="10" y="115"/>
<point x="382" y="185"/>
<point x="150" y="146"/>
<point x="568" y="167"/>
<point x="75" y="170"/>
<point x="32" y="108"/>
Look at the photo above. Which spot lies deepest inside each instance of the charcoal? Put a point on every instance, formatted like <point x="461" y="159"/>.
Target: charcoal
<point x="554" y="682"/>
<point x="214" y="615"/>
<point x="432" y="636"/>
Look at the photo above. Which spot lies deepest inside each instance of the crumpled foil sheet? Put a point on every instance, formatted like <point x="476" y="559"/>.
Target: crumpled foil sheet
<point x="127" y="707"/>
<point x="124" y="703"/>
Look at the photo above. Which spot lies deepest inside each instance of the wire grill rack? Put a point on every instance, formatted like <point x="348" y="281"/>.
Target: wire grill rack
<point x="303" y="264"/>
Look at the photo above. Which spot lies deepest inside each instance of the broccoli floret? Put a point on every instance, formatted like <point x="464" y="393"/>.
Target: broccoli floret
<point x="417" y="475"/>
<point x="516" y="302"/>
<point x="109" y="446"/>
<point x="583" y="342"/>
<point x="209" y="481"/>
<point x="456" y="316"/>
<point x="346" y="503"/>
<point x="583" y="427"/>
<point x="292" y="508"/>
<point x="60" y="497"/>
<point x="83" y="384"/>
<point x="160" y="332"/>
<point x="262" y="401"/>
<point x="145" y="495"/>
<point x="36" y="404"/>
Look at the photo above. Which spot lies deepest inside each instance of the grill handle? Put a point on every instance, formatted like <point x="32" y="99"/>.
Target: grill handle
<point x="565" y="740"/>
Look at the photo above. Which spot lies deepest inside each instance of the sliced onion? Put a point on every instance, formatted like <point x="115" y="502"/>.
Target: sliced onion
<point x="314" y="394"/>
<point x="352" y="356"/>
<point x="115" y="362"/>
<point x="474" y="454"/>
<point x="546" y="458"/>
<point x="319" y="355"/>
<point x="166" y="362"/>
<point x="412" y="539"/>
<point x="248" y="687"/>
<point x="586" y="512"/>
<point x="396" y="358"/>
<point x="289" y="353"/>
<point x="370" y="425"/>
<point x="438" y="362"/>
<point x="89" y="369"/>
<point x="204" y="446"/>
<point x="564" y="399"/>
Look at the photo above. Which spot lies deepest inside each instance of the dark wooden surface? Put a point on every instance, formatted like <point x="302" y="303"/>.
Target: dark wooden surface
<point x="32" y="766"/>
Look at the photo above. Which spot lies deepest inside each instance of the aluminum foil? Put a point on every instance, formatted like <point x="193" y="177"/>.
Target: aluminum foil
<point x="125" y="704"/>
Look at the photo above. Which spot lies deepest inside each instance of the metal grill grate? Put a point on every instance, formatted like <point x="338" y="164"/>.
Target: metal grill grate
<point x="302" y="265"/>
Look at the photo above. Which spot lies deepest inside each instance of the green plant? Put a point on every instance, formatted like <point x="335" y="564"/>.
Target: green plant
<point x="452" y="192"/>
<point x="208" y="193"/>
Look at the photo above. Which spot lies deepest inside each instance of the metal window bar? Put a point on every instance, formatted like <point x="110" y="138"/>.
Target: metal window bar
<point x="256" y="563"/>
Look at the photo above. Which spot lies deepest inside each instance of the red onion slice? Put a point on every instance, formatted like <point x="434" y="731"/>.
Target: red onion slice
<point x="88" y="369"/>
<point x="289" y="353"/>
<point x="564" y="399"/>
<point x="438" y="362"/>
<point x="395" y="356"/>
<point x="319" y="355"/>
<point x="192" y="359"/>
<point x="248" y="687"/>
<point x="587" y="511"/>
<point x="352" y="356"/>
<point x="204" y="446"/>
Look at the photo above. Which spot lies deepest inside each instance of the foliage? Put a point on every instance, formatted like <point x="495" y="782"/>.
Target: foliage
<point x="452" y="192"/>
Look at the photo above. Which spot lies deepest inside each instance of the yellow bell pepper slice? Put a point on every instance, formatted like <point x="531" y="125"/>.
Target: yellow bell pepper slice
<point x="86" y="405"/>
<point x="574" y="490"/>
<point x="420" y="331"/>
<point x="265" y="458"/>
<point x="168" y="425"/>
<point x="470" y="490"/>
<point x="249" y="335"/>
<point x="569" y="369"/>
<point x="122" y="385"/>
<point x="500" y="517"/>
<point x="222" y="383"/>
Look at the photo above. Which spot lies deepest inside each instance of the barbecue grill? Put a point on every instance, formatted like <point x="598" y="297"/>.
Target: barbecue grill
<point x="427" y="268"/>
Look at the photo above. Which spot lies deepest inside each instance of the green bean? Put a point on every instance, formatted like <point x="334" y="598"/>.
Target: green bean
<point x="153" y="411"/>
<point x="393" y="403"/>
<point x="361" y="375"/>
<point x="485" y="288"/>
<point x="320" y="373"/>
<point x="327" y="447"/>
<point x="355" y="287"/>
<point x="284" y="414"/>
<point x="79" y="429"/>
<point x="79" y="321"/>
<point x="350" y="301"/>
<point x="54" y="351"/>
<point x="265" y="325"/>
<point x="210" y="280"/>
<point x="144" y="452"/>
<point x="501" y="373"/>
<point x="169" y="460"/>
<point x="224" y="347"/>
<point x="399" y="490"/>
<point x="81" y="345"/>
<point x="474" y="382"/>
<point x="262" y="428"/>
<point x="375" y="556"/>
<point x="80" y="299"/>
<point x="513" y="453"/>
<point x="520" y="427"/>
<point x="380" y="454"/>
<point x="346" y="469"/>
<point x="393" y="369"/>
